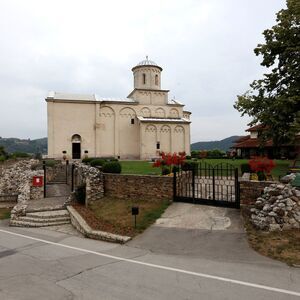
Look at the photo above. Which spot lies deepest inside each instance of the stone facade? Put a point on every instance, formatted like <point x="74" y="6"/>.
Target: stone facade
<point x="148" y="187"/>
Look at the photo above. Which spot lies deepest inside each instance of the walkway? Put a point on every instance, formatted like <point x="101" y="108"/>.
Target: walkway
<point x="57" y="194"/>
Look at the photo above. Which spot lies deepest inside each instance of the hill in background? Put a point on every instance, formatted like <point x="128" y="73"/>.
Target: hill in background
<point x="28" y="146"/>
<point x="40" y="145"/>
<point x="223" y="145"/>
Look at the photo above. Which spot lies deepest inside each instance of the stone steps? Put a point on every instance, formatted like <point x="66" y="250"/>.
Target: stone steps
<point x="49" y="214"/>
<point x="43" y="219"/>
<point x="19" y="223"/>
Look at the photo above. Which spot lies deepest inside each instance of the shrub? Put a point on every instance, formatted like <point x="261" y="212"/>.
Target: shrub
<point x="188" y="157"/>
<point x="80" y="193"/>
<point x="97" y="162"/>
<point x="21" y="155"/>
<point x="2" y="158"/>
<point x="245" y="168"/>
<point x="112" y="167"/>
<point x="113" y="159"/>
<point x="165" y="170"/>
<point x="175" y="169"/>
<point x="190" y="165"/>
<point x="87" y="160"/>
<point x="50" y="162"/>
<point x="216" y="153"/>
<point x="195" y="154"/>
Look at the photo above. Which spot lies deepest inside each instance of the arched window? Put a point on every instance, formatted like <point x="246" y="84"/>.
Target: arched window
<point x="144" y="78"/>
<point x="156" y="79"/>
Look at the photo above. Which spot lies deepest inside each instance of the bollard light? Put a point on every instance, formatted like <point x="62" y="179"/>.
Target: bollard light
<point x="134" y="212"/>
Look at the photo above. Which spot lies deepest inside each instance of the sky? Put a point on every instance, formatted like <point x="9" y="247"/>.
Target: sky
<point x="205" y="48"/>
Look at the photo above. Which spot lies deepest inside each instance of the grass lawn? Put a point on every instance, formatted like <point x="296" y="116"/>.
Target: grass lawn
<point x="4" y="213"/>
<point x="280" y="245"/>
<point x="145" y="167"/>
<point x="114" y="215"/>
<point x="139" y="167"/>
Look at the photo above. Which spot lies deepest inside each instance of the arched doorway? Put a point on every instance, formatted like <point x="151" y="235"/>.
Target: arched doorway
<point x="76" y="146"/>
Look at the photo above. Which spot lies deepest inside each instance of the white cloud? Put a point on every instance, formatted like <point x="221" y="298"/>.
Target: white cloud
<point x="205" y="48"/>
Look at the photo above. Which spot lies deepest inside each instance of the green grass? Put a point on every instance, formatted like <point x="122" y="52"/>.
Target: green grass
<point x="139" y="167"/>
<point x="145" y="167"/>
<point x="4" y="213"/>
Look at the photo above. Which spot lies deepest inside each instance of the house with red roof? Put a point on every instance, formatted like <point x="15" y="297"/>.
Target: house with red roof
<point x="251" y="145"/>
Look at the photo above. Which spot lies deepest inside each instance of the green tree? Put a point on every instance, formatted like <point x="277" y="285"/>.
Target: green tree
<point x="274" y="100"/>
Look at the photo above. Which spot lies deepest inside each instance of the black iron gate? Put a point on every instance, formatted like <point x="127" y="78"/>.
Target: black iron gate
<point x="59" y="173"/>
<point x="203" y="183"/>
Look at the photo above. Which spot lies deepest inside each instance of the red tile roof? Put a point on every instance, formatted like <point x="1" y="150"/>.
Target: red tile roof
<point x="251" y="143"/>
<point x="256" y="128"/>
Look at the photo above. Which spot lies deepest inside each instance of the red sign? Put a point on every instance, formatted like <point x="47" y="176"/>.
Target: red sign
<point x="37" y="181"/>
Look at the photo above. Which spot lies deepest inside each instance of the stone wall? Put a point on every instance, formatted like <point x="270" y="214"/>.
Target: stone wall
<point x="251" y="190"/>
<point x="278" y="208"/>
<point x="148" y="187"/>
<point x="17" y="180"/>
<point x="92" y="178"/>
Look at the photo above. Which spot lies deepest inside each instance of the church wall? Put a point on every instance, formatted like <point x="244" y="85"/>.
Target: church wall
<point x="172" y="138"/>
<point x="66" y="120"/>
<point x="106" y="132"/>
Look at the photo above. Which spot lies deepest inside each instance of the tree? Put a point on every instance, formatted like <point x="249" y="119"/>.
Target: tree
<point x="274" y="100"/>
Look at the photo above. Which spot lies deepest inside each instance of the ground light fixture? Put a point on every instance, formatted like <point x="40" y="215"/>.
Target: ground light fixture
<point x="134" y="212"/>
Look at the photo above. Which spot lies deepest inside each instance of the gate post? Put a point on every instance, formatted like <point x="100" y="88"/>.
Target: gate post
<point x="174" y="186"/>
<point x="72" y="178"/>
<point x="214" y="184"/>
<point x="67" y="165"/>
<point x="193" y="184"/>
<point x="45" y="176"/>
<point x="237" y="188"/>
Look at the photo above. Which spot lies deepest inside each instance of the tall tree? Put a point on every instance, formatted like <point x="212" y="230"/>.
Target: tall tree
<point x="274" y="100"/>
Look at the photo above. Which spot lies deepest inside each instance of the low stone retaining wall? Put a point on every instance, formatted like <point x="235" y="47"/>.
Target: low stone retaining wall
<point x="148" y="187"/>
<point x="80" y="224"/>
<point x="251" y="190"/>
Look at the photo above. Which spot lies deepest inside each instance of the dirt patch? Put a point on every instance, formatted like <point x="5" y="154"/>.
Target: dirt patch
<point x="114" y="215"/>
<point x="280" y="245"/>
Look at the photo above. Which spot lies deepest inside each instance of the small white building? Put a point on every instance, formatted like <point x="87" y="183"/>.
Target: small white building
<point x="137" y="127"/>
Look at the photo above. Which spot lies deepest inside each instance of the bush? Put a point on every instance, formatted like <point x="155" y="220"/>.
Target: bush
<point x="165" y="170"/>
<point x="175" y="169"/>
<point x="97" y="162"/>
<point x="188" y="157"/>
<point x="113" y="159"/>
<point x="189" y="165"/>
<point x="245" y="168"/>
<point x="87" y="160"/>
<point x="216" y="153"/>
<point x="195" y="154"/>
<point x="80" y="193"/>
<point x="50" y="162"/>
<point x="20" y="154"/>
<point x="2" y="158"/>
<point x="112" y="167"/>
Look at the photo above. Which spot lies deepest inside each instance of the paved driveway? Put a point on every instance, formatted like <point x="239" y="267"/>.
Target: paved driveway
<point x="201" y="231"/>
<point x="167" y="262"/>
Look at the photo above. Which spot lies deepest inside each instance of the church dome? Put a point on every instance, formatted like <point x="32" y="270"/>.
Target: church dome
<point x="146" y="63"/>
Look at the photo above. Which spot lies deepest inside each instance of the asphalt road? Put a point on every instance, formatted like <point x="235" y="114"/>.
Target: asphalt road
<point x="164" y="263"/>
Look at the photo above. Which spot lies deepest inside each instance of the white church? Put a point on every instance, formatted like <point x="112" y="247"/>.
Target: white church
<point x="137" y="127"/>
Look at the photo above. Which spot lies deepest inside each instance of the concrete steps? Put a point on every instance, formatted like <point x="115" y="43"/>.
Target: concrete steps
<point x="43" y="219"/>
